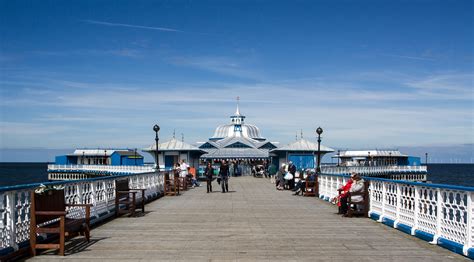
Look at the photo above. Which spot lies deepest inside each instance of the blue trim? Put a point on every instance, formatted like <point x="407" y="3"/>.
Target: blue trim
<point x="6" y="251"/>
<point x="388" y="222"/>
<point x="465" y="188"/>
<point x="404" y="228"/>
<point x="374" y="216"/>
<point x="470" y="253"/>
<point x="453" y="246"/>
<point x="423" y="235"/>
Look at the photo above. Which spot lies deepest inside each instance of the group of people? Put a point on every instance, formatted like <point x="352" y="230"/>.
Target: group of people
<point x="355" y="184"/>
<point x="222" y="178"/>
<point x="184" y="170"/>
<point x="285" y="176"/>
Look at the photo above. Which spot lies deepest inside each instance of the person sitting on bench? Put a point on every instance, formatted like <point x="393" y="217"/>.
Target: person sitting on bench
<point x="341" y="199"/>
<point x="356" y="187"/>
<point x="300" y="185"/>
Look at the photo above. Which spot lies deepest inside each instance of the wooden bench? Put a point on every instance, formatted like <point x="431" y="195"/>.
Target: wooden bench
<point x="49" y="216"/>
<point x="359" y="207"/>
<point x="311" y="187"/>
<point x="183" y="183"/>
<point x="127" y="200"/>
<point x="171" y="185"/>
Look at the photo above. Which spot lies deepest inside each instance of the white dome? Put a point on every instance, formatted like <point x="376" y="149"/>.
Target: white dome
<point x="229" y="130"/>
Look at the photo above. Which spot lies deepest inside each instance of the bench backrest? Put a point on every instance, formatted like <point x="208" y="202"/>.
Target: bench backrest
<point x="52" y="200"/>
<point x="122" y="185"/>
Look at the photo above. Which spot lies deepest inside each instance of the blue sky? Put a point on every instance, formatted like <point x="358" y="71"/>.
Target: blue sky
<point x="102" y="73"/>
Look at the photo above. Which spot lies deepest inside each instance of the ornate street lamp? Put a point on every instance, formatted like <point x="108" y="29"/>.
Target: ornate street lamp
<point x="105" y="155"/>
<point x="426" y="159"/>
<point x="319" y="131"/>
<point x="338" y="156"/>
<point x="135" y="156"/>
<point x="390" y="159"/>
<point x="368" y="158"/>
<point x="156" y="128"/>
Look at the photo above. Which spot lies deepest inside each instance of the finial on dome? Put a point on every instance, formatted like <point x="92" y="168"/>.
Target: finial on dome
<point x="237" y="112"/>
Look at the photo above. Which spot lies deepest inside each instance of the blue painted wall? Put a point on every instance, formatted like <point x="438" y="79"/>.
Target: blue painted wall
<point x="409" y="161"/>
<point x="120" y="160"/>
<point x="302" y="161"/>
<point x="414" y="161"/>
<point x="65" y="160"/>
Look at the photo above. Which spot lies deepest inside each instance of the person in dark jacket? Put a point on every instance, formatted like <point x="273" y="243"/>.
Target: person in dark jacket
<point x="209" y="172"/>
<point x="224" y="174"/>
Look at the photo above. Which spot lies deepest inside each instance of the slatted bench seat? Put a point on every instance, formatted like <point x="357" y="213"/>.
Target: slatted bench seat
<point x="359" y="207"/>
<point x="49" y="216"/>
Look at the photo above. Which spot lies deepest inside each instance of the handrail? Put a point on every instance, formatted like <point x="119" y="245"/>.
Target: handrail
<point x="443" y="214"/>
<point x="372" y="169"/>
<point x="105" y="168"/>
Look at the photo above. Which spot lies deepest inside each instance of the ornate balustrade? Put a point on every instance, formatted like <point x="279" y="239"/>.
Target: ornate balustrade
<point x="411" y="173"/>
<point x="101" y="168"/>
<point x="441" y="214"/>
<point x="100" y="192"/>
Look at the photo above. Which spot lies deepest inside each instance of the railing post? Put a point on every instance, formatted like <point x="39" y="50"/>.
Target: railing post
<point x="384" y="192"/>
<point x="94" y="199"/>
<point x="11" y="218"/>
<point x="416" y="210"/>
<point x="439" y="216"/>
<point x="469" y="225"/>
<point x="399" y="205"/>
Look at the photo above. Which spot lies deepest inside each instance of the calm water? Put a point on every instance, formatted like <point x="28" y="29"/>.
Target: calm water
<point x="25" y="173"/>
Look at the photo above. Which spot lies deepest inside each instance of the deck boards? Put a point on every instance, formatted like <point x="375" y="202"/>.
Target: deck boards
<point x="252" y="222"/>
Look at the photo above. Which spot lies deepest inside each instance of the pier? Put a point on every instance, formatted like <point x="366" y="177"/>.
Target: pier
<point x="251" y="222"/>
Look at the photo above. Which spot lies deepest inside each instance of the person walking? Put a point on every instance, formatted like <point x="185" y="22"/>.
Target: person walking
<point x="224" y="174"/>
<point x="209" y="172"/>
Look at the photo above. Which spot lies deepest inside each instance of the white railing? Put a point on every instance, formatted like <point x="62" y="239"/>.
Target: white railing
<point x="101" y="168"/>
<point x="442" y="214"/>
<point x="372" y="170"/>
<point x="100" y="192"/>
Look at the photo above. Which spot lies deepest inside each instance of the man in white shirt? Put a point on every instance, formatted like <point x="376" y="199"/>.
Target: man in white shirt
<point x="184" y="169"/>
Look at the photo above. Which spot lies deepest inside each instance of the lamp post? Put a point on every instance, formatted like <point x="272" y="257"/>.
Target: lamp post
<point x="82" y="160"/>
<point x="338" y="156"/>
<point x="368" y="158"/>
<point x="426" y="159"/>
<point x="105" y="155"/>
<point x="390" y="159"/>
<point x="156" y="128"/>
<point x="319" y="131"/>
<point x="135" y="156"/>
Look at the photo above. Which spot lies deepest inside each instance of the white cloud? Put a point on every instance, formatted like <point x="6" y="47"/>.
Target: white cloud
<point x="163" y="29"/>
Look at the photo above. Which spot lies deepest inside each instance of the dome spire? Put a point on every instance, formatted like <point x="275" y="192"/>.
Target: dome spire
<point x="237" y="112"/>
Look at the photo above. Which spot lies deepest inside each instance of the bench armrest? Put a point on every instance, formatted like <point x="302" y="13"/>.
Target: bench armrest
<point x="79" y="205"/>
<point x="127" y="192"/>
<point x="50" y="213"/>
<point x="356" y="193"/>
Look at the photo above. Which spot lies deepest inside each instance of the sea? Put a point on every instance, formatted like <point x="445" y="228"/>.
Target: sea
<point x="27" y="173"/>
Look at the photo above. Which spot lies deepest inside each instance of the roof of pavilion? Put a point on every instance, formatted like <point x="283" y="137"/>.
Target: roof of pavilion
<point x="173" y="145"/>
<point x="305" y="146"/>
<point x="235" y="153"/>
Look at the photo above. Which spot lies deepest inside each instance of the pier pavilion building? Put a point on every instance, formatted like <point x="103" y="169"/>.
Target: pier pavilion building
<point x="113" y="157"/>
<point x="239" y="141"/>
<point x="173" y="151"/>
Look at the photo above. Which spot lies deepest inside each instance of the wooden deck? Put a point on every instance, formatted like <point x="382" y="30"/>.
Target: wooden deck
<point x="252" y="222"/>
